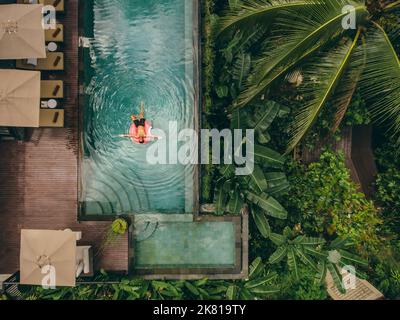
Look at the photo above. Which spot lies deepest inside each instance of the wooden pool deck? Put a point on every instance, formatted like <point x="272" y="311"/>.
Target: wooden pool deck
<point x="39" y="178"/>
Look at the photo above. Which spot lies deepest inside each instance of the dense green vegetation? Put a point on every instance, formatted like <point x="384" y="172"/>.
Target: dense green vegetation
<point x="387" y="184"/>
<point x="304" y="44"/>
<point x="259" y="76"/>
<point x="258" y="72"/>
<point x="324" y="201"/>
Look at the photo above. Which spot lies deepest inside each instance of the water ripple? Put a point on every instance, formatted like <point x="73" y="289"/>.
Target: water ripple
<point x="139" y="48"/>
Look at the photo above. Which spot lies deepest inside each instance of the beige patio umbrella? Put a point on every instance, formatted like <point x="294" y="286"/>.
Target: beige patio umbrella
<point x="43" y="248"/>
<point x="19" y="98"/>
<point x="21" y="32"/>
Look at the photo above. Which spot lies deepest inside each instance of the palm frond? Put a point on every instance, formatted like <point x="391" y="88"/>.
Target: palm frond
<point x="251" y="13"/>
<point x="241" y="68"/>
<point x="322" y="75"/>
<point x="380" y="81"/>
<point x="347" y="86"/>
<point x="392" y="6"/>
<point x="294" y="37"/>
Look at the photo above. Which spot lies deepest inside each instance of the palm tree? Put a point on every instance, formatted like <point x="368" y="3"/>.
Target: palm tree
<point x="309" y="36"/>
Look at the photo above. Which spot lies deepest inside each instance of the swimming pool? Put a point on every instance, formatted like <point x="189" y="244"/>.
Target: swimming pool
<point x="137" y="50"/>
<point x="172" y="245"/>
<point x="145" y="50"/>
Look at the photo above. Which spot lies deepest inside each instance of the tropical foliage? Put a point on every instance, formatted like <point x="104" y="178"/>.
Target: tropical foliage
<point x="324" y="200"/>
<point x="315" y="253"/>
<point x="261" y="190"/>
<point x="271" y="55"/>
<point x="387" y="194"/>
<point x="117" y="229"/>
<point x="307" y="37"/>
<point x="305" y="288"/>
<point x="264" y="182"/>
<point x="385" y="270"/>
<point x="261" y="284"/>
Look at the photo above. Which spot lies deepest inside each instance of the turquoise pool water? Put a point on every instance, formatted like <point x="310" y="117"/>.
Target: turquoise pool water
<point x="188" y="245"/>
<point x="140" y="50"/>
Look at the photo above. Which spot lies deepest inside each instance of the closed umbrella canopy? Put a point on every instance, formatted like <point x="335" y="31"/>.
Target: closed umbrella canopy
<point x="47" y="251"/>
<point x="21" y="32"/>
<point x="19" y="98"/>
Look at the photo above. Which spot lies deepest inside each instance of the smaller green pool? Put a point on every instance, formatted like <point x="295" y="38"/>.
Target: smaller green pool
<point x="187" y="245"/>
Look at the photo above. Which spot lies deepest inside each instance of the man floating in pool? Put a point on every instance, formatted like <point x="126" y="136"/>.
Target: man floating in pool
<point x="140" y="129"/>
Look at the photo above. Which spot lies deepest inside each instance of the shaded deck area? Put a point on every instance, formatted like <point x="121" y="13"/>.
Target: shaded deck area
<point x="39" y="177"/>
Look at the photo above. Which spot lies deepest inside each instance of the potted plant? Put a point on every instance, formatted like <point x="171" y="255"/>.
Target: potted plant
<point x="115" y="231"/>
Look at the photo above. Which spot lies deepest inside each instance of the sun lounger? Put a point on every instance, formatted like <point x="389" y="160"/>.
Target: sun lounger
<point x="55" y="35"/>
<point x="52" y="89"/>
<point x="51" y="118"/>
<point x="58" y="4"/>
<point x="53" y="62"/>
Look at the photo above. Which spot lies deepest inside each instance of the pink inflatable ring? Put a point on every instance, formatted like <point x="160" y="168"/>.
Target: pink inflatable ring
<point x="133" y="132"/>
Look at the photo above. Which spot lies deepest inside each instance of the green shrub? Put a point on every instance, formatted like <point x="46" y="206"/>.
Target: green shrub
<point x="208" y="64"/>
<point x="387" y="185"/>
<point x="324" y="200"/>
<point x="385" y="270"/>
<point x="388" y="197"/>
<point x="119" y="226"/>
<point x="306" y="288"/>
<point x="208" y="54"/>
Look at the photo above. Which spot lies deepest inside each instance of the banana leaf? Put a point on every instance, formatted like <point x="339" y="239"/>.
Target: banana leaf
<point x="263" y="116"/>
<point x="221" y="197"/>
<point x="268" y="156"/>
<point x="235" y="203"/>
<point x="258" y="180"/>
<point x="309" y="241"/>
<point x="277" y="183"/>
<point x="316" y="253"/>
<point x="256" y="268"/>
<point x="260" y="281"/>
<point x="292" y="262"/>
<point x="350" y="258"/>
<point x="227" y="171"/>
<point x="264" y="290"/>
<point x="245" y="294"/>
<point x="262" y="223"/>
<point x="269" y="204"/>
<point x="341" y="243"/>
<point x="278" y="255"/>
<point x="192" y="288"/>
<point x="306" y="259"/>
<point x="321" y="274"/>
<point x="232" y="292"/>
<point x="336" y="276"/>
<point x="277" y="239"/>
